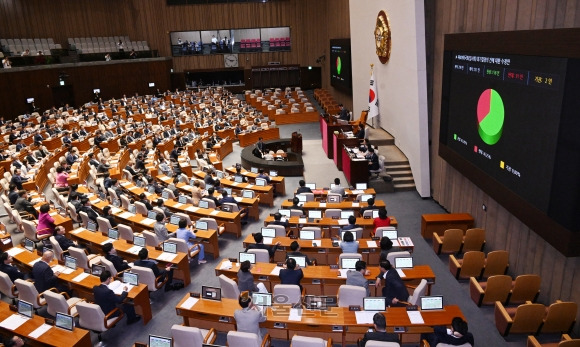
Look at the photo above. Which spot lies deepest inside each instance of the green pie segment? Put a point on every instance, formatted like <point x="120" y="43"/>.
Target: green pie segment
<point x="490" y="116"/>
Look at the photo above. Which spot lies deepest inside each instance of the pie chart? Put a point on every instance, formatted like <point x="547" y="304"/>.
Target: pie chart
<point x="490" y="116"/>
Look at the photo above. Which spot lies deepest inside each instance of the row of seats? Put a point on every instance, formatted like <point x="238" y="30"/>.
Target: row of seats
<point x="18" y="46"/>
<point x="105" y="44"/>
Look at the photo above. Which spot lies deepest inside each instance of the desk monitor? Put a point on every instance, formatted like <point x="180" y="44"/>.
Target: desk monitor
<point x="254" y="170"/>
<point x="208" y="186"/>
<point x="91" y="226"/>
<point x="390" y="233"/>
<point x="269" y="232"/>
<point x="333" y="198"/>
<point x="97" y="91"/>
<point x="203" y="204"/>
<point x="346" y="214"/>
<point x="29" y="100"/>
<point x="64" y="321"/>
<point x="300" y="260"/>
<point x="312" y="186"/>
<point x="375" y="214"/>
<point x="130" y="278"/>
<point x="226" y="208"/>
<point x="315" y="302"/>
<point x="151" y="190"/>
<point x="152" y="215"/>
<point x="160" y="341"/>
<point x="25" y="308"/>
<point x="248" y="256"/>
<point x="182" y="199"/>
<point x="113" y="234"/>
<point x="307" y="234"/>
<point x="430" y="303"/>
<point x="139" y="241"/>
<point x="28" y="244"/>
<point x="116" y="203"/>
<point x="361" y="186"/>
<point x="403" y="262"/>
<point x="170" y="247"/>
<point x="201" y="225"/>
<point x="165" y="194"/>
<point x="238" y="179"/>
<point x="102" y="196"/>
<point x="248" y="194"/>
<point x="211" y="293"/>
<point x="260" y="182"/>
<point x="374" y="304"/>
<point x="284" y="212"/>
<point x="174" y="220"/>
<point x="273" y="173"/>
<point x="348" y="263"/>
<point x="132" y="209"/>
<point x="353" y="234"/>
<point x="70" y="262"/>
<point x="228" y="190"/>
<point x="365" y="197"/>
<point x="301" y="198"/>
<point x="219" y="174"/>
<point x="314" y="214"/>
<point x="97" y="270"/>
<point x="262" y="299"/>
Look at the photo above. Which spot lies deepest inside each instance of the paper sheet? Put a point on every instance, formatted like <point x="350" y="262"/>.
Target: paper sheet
<point x="34" y="262"/>
<point x="189" y="303"/>
<point x="39" y="331"/>
<point x="186" y="187"/>
<point x="316" y="243"/>
<point x="14" y="251"/>
<point x="268" y="240"/>
<point x="302" y="220"/>
<point x="415" y="317"/>
<point x="226" y="265"/>
<point x="214" y="212"/>
<point x="342" y="221"/>
<point x="322" y="204"/>
<point x="357" y="192"/>
<point x="249" y="186"/>
<point x="355" y="204"/>
<point x="295" y="314"/>
<point x="107" y="241"/>
<point x="401" y="273"/>
<point x="165" y="256"/>
<point x="80" y="277"/>
<point x="148" y="221"/>
<point x="364" y="317"/>
<point x="276" y="271"/>
<point x="77" y="230"/>
<point x="192" y="208"/>
<point x="177" y="205"/>
<point x="115" y="210"/>
<point x="126" y="215"/>
<point x="343" y="272"/>
<point x="6" y="240"/>
<point x="238" y="199"/>
<point x="13" y="322"/>
<point x="372" y="244"/>
<point x="134" y="250"/>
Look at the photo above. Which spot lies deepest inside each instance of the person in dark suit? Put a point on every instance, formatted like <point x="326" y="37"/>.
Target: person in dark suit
<point x="371" y="206"/>
<point x="343" y="114"/>
<point x="351" y="224"/>
<point x="64" y="242"/>
<point x="295" y="252"/>
<point x="108" y="216"/>
<point x="31" y="159"/>
<point x="303" y="188"/>
<point x="92" y="161"/>
<point x="44" y="277"/>
<point x="13" y="193"/>
<point x="152" y="264"/>
<point x="296" y="206"/>
<point x="260" y="244"/>
<point x="9" y="269"/>
<point x="278" y="220"/>
<point x="456" y="336"/>
<point x="373" y="159"/>
<point x="108" y="301"/>
<point x="292" y="274"/>
<point x="22" y="204"/>
<point x="361" y="132"/>
<point x="380" y="333"/>
<point x="394" y="289"/>
<point x="144" y="201"/>
<point x="111" y="255"/>
<point x="86" y="208"/>
<point x="17" y="179"/>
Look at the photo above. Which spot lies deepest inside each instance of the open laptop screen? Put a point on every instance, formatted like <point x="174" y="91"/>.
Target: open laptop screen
<point x="132" y="209"/>
<point x="130" y="278"/>
<point x="348" y="263"/>
<point x="70" y="262"/>
<point x="201" y="225"/>
<point x="390" y="233"/>
<point x="247" y="194"/>
<point x="312" y="186"/>
<point x="91" y="226"/>
<point x="260" y="182"/>
<point x="361" y="186"/>
<point x="113" y="234"/>
<point x="315" y="214"/>
<point x="152" y="215"/>
<point x="248" y="256"/>
<point x="307" y="234"/>
<point x="284" y="212"/>
<point x="346" y="214"/>
<point x="182" y="199"/>
<point x="300" y="260"/>
<point x="262" y="299"/>
<point x="254" y="170"/>
<point x="403" y="262"/>
<point x="301" y="198"/>
<point x="375" y="214"/>
<point x="374" y="304"/>
<point x="211" y="293"/>
<point x="160" y="341"/>
<point x="434" y="302"/>
<point x="203" y="204"/>
<point x="238" y="179"/>
<point x="175" y="220"/>
<point x="170" y="247"/>
<point x="268" y="232"/>
<point x="365" y="197"/>
<point x="139" y="241"/>
<point x="25" y="308"/>
<point x="29" y="244"/>
<point x="64" y="321"/>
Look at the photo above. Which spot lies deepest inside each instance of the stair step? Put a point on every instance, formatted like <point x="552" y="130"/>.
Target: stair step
<point x="406" y="173"/>
<point x="403" y="180"/>
<point x="404" y="187"/>
<point x="406" y="167"/>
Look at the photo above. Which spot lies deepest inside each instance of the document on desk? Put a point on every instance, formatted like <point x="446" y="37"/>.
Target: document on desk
<point x="415" y="317"/>
<point x="295" y="314"/>
<point x="148" y="221"/>
<point x="342" y="273"/>
<point x="401" y="273"/>
<point x="372" y="244"/>
<point x="80" y="277"/>
<point x="364" y="317"/>
<point x="117" y="287"/>
<point x="14" y="251"/>
<point x="77" y="230"/>
<point x="268" y="240"/>
<point x="357" y="192"/>
<point x="177" y="205"/>
<point x="126" y="215"/>
<point x="395" y="242"/>
<point x="34" y="261"/>
<point x="107" y="241"/>
<point x="6" y="240"/>
<point x="226" y="265"/>
<point x="250" y="186"/>
<point x="115" y="210"/>
<point x="302" y="220"/>
<point x="134" y="250"/>
<point x="322" y="204"/>
<point x="238" y="199"/>
<point x="189" y="303"/>
<point x="235" y="184"/>
<point x="96" y="201"/>
<point x="166" y="256"/>
<point x="342" y="221"/>
<point x="214" y="212"/>
<point x="355" y="204"/>
<point x="13" y="322"/>
<point x="276" y="271"/>
<point x="62" y="269"/>
<point x="192" y="208"/>
<point x="39" y="331"/>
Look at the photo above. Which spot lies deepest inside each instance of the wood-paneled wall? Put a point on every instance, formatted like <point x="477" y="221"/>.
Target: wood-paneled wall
<point x="528" y="252"/>
<point x="312" y="24"/>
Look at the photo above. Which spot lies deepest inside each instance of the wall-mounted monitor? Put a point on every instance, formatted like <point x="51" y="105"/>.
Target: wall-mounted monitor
<point x="340" y="65"/>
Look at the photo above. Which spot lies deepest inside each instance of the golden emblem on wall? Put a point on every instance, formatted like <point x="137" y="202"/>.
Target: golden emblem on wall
<point x="383" y="37"/>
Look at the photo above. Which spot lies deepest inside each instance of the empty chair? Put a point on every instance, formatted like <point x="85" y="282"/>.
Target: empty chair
<point x="60" y="302"/>
<point x="470" y="266"/>
<point x="151" y="238"/>
<point x="497" y="288"/>
<point x="213" y="225"/>
<point x="525" y="288"/>
<point x="392" y="255"/>
<point x="318" y="234"/>
<point x="147" y="277"/>
<point x="474" y="240"/>
<point x="560" y="317"/>
<point x="126" y="232"/>
<point x="262" y="255"/>
<point x="303" y="341"/>
<point x="7" y="287"/>
<point x="348" y="255"/>
<point x="351" y="295"/>
<point x="238" y="338"/>
<point x="229" y="287"/>
<point x="450" y="242"/>
<point x="84" y="218"/>
<point x="419" y="292"/>
<point x="373" y="343"/>
<point x="104" y="225"/>
<point x="287" y="294"/>
<point x="524" y="319"/>
<point x="332" y="212"/>
<point x="309" y="196"/>
<point x="182" y="247"/>
<point x="184" y="336"/>
<point x="496" y="263"/>
<point x="140" y="208"/>
<point x="91" y="317"/>
<point x="296" y="213"/>
<point x="566" y="341"/>
<point x="27" y="292"/>
<point x="125" y="202"/>
<point x="84" y="260"/>
<point x="56" y="249"/>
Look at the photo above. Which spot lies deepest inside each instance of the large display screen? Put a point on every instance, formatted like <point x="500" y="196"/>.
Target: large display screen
<point x="340" y="65"/>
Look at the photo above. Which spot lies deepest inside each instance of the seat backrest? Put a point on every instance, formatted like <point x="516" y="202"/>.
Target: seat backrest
<point x="186" y="217"/>
<point x="392" y="255"/>
<point x="229" y="287"/>
<point x="287" y="294"/>
<point x="56" y="302"/>
<point x="29" y="229"/>
<point x="419" y="291"/>
<point x="91" y="316"/>
<point x="140" y="208"/>
<point x="497" y="289"/>
<point x="473" y="240"/>
<point x="280" y="230"/>
<point x="81" y="256"/>
<point x="496" y="263"/>
<point x="351" y="295"/>
<point x="303" y="341"/>
<point x="332" y="212"/>
<point x="109" y="266"/>
<point x="452" y="239"/>
<point x="104" y="225"/>
<point x="338" y="197"/>
<point x="348" y="255"/>
<point x="472" y="265"/>
<point x="186" y="336"/>
<point x="210" y="203"/>
<point x="262" y="255"/>
<point x="295" y="213"/>
<point x="317" y="232"/>
<point x="125" y="232"/>
<point x="525" y="288"/>
<point x="56" y="248"/>
<point x="309" y="196"/>
<point x="146" y="276"/>
<point x="211" y="223"/>
<point x="373" y="343"/>
<point x="125" y="202"/>
<point x="151" y="238"/>
<point x="84" y="218"/>
<point x="560" y="317"/>
<point x="238" y="338"/>
<point x="6" y="285"/>
<point x="27" y="292"/>
<point x="528" y="318"/>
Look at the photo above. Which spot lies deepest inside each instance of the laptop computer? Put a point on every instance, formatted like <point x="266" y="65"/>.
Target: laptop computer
<point x="151" y="190"/>
<point x="132" y="209"/>
<point x="113" y="234"/>
<point x="390" y="233"/>
<point x="208" y="186"/>
<point x="238" y="179"/>
<point x="97" y="270"/>
<point x="312" y="186"/>
<point x="170" y="247"/>
<point x="273" y="173"/>
<point x="91" y="226"/>
<point x="116" y="203"/>
<point x="64" y="321"/>
<point x="314" y="215"/>
<point x="346" y="214"/>
<point x="70" y="262"/>
<point x="342" y="235"/>
<point x="431" y="303"/>
<point x="365" y="197"/>
<point x="284" y="212"/>
<point x="403" y="262"/>
<point x="248" y="194"/>
<point x="160" y="341"/>
<point x="130" y="278"/>
<point x="361" y="186"/>
<point x="348" y="263"/>
<point x="182" y="199"/>
<point x="220" y="174"/>
<point x="254" y="170"/>
<point x="211" y="293"/>
<point x="313" y="302"/>
<point x="247" y="256"/>
<point x="375" y="214"/>
<point x="25" y="309"/>
<point x="28" y="244"/>
<point x="374" y="304"/>
<point x="139" y="241"/>
<point x="260" y="182"/>
<point x="307" y="234"/>
<point x="262" y="299"/>
<point x="269" y="234"/>
<point x="201" y="225"/>
<point x="300" y="260"/>
<point x="228" y="190"/>
<point x="152" y="215"/>
<point x="165" y="194"/>
<point x="203" y="204"/>
<point x="174" y="220"/>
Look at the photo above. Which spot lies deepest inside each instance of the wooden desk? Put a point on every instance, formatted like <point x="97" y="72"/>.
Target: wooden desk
<point x="321" y="279"/>
<point x="355" y="170"/>
<point x="337" y="322"/>
<point x="438" y="223"/>
<point x="247" y="139"/>
<point x="53" y="337"/>
<point x="343" y="205"/>
<point x="224" y="148"/>
<point x="278" y="181"/>
<point x="351" y="194"/>
<point x="327" y="127"/>
<point x="293" y="118"/>
<point x="52" y="143"/>
<point x="338" y="141"/>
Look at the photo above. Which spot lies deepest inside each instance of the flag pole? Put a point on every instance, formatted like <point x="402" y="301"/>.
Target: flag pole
<point x="373" y="119"/>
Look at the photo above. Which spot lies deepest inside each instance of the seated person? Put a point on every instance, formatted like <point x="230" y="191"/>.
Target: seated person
<point x="382" y="220"/>
<point x="143" y="261"/>
<point x="349" y="244"/>
<point x="63" y="241"/>
<point x="278" y="220"/>
<point x="23" y="204"/>
<point x="380" y="333"/>
<point x="109" y="216"/>
<point x="357" y="277"/>
<point x="187" y="235"/>
<point x="371" y="206"/>
<point x="456" y="336"/>
<point x="386" y="245"/>
<point x="295" y="251"/>
<point x="9" y="269"/>
<point x="295" y="206"/>
<point x="166" y="211"/>
<point x="143" y="199"/>
<point x="45" y="221"/>
<point x="108" y="300"/>
<point x="111" y="255"/>
<point x="210" y="196"/>
<point x="248" y="319"/>
<point x="351" y="224"/>
<point x="394" y="289"/>
<point x="246" y="279"/>
<point x="160" y="229"/>
<point x="292" y="273"/>
<point x="259" y="238"/>
<point x="338" y="189"/>
<point x="303" y="188"/>
<point x="44" y="277"/>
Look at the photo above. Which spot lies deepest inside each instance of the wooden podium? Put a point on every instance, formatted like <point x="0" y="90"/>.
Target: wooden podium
<point x="296" y="143"/>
